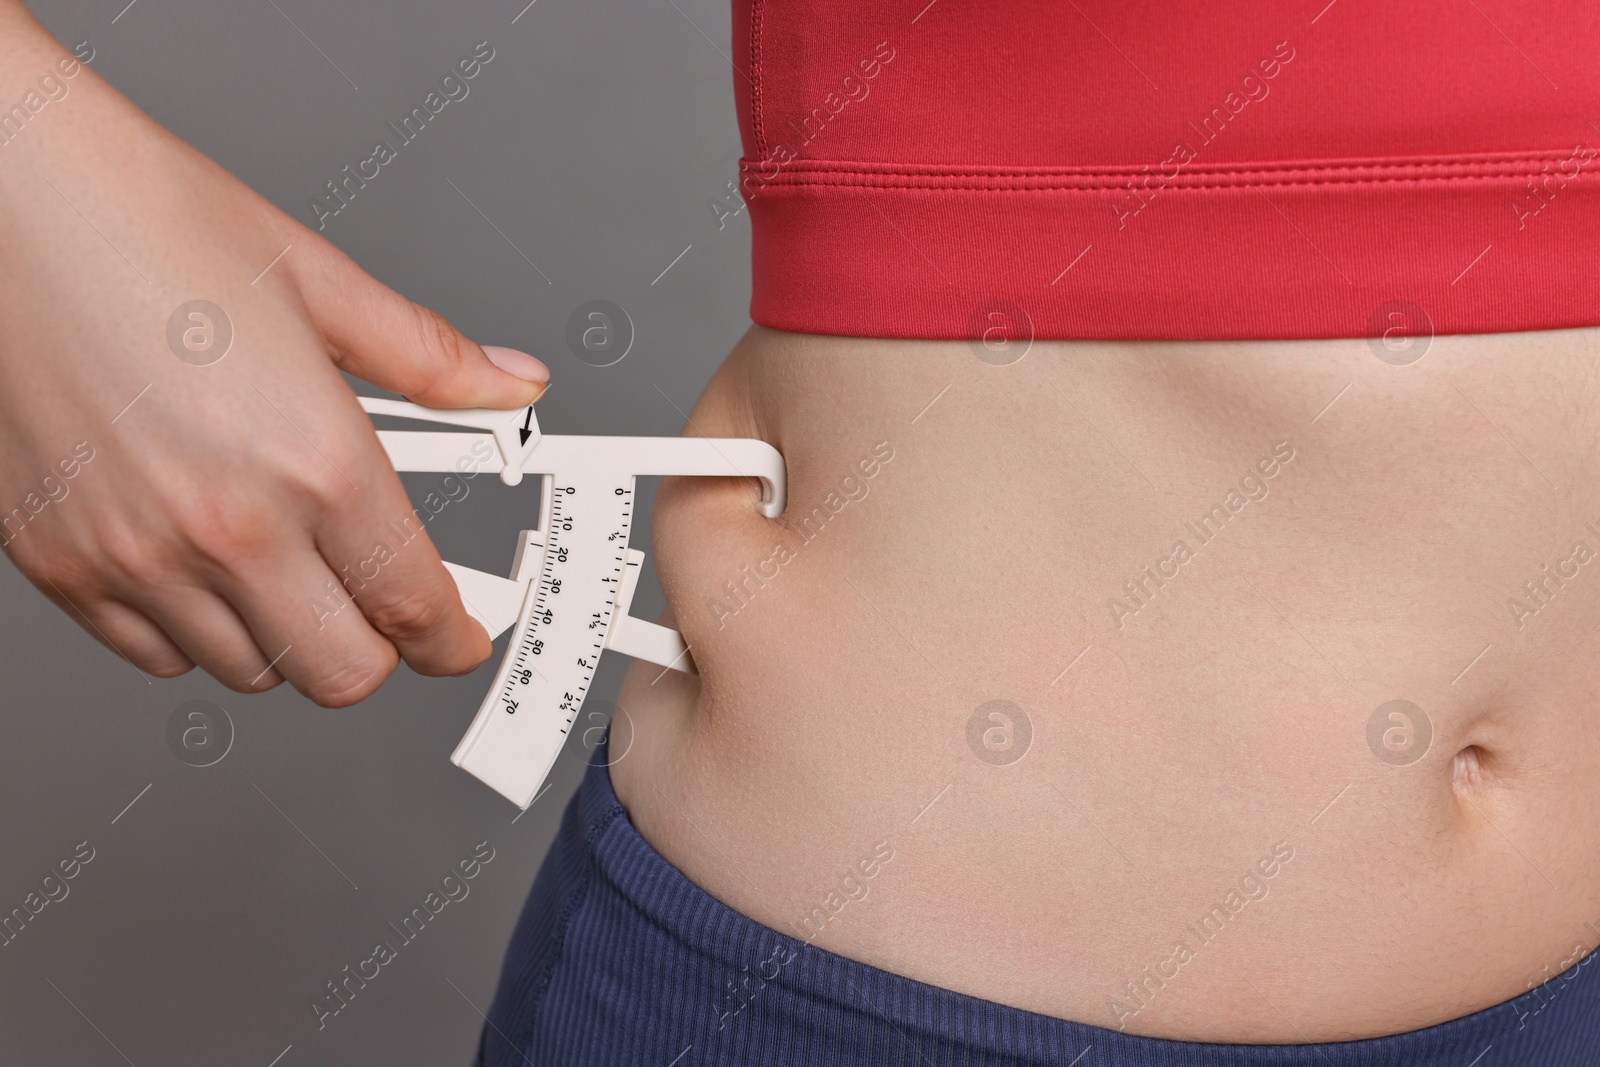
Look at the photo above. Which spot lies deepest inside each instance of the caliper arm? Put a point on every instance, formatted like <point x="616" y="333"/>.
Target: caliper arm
<point x="519" y="445"/>
<point x="574" y="577"/>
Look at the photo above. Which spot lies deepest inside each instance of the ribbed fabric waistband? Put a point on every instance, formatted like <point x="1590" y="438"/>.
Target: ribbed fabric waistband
<point x="619" y="959"/>
<point x="1178" y="250"/>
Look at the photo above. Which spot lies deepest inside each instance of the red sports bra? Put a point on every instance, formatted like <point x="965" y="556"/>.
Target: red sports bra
<point x="1100" y="169"/>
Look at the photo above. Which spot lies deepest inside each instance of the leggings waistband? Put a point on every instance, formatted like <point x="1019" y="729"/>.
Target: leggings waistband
<point x="619" y="959"/>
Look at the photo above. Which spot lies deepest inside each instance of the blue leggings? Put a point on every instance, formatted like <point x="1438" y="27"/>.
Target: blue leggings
<point x="619" y="960"/>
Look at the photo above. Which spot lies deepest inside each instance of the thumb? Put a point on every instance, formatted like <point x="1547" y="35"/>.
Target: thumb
<point x="381" y="337"/>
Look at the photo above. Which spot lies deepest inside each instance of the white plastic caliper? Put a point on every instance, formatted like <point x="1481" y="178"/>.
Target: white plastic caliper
<point x="573" y="578"/>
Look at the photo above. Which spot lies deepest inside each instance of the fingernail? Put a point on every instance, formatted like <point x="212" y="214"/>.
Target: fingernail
<point x="517" y="363"/>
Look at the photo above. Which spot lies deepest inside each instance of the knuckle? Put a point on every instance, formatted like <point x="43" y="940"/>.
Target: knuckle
<point x="323" y="476"/>
<point x="440" y="346"/>
<point x="435" y="335"/>
<point x="139" y="561"/>
<point x="242" y="682"/>
<point x="413" y="614"/>
<point x="461" y="662"/>
<point x="225" y="529"/>
<point x="166" y="665"/>
<point x="322" y="485"/>
<point x="350" y="683"/>
<point x="109" y="558"/>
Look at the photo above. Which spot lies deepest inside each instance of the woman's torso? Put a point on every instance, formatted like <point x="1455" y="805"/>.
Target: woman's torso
<point x="1201" y="573"/>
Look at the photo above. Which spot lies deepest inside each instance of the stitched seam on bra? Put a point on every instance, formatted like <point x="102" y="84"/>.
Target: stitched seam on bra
<point x="757" y="11"/>
<point x="1265" y="167"/>
<point x="1175" y="185"/>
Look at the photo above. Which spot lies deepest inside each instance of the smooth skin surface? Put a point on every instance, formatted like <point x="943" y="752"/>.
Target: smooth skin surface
<point x="229" y="496"/>
<point x="1203" y="769"/>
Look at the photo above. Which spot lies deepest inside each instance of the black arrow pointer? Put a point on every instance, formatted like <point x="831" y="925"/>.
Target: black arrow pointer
<point x="524" y="430"/>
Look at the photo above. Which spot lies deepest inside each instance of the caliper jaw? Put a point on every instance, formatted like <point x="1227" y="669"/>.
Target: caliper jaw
<point x="562" y="583"/>
<point x="496" y="602"/>
<point x="639" y="638"/>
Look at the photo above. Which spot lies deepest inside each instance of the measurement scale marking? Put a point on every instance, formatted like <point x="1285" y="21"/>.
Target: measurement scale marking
<point x="546" y="574"/>
<point x="561" y="520"/>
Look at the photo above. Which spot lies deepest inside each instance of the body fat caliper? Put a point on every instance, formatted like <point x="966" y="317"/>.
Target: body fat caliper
<point x="573" y="578"/>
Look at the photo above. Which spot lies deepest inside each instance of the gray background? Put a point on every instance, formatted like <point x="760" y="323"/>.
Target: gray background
<point x="208" y="918"/>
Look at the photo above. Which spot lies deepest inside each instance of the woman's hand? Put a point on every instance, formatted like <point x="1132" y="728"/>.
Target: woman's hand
<point x="186" y="511"/>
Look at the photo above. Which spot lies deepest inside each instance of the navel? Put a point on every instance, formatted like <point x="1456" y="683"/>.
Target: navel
<point x="1467" y="773"/>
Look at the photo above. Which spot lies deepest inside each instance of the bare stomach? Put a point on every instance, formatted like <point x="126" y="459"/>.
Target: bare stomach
<point x="1229" y="692"/>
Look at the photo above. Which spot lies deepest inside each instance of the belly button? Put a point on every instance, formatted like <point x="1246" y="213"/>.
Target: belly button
<point x="1468" y="770"/>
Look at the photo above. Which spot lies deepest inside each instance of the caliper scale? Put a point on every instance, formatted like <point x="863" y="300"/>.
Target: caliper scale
<point x="573" y="578"/>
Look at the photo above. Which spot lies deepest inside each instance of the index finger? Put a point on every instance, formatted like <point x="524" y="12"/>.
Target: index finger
<point x="378" y="546"/>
